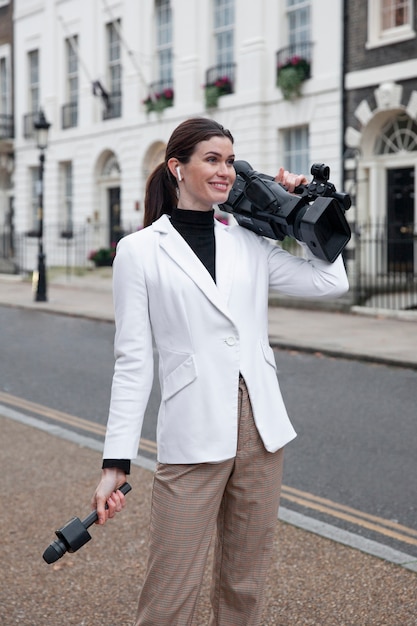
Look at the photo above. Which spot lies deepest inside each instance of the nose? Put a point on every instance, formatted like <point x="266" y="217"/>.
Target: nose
<point x="222" y="169"/>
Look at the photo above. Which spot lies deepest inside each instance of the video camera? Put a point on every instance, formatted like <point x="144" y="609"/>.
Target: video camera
<point x="315" y="216"/>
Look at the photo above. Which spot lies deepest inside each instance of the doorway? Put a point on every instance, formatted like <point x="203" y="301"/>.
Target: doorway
<point x="115" y="230"/>
<point x="400" y="220"/>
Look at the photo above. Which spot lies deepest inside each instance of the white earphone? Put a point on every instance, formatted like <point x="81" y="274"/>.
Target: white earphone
<point x="178" y="173"/>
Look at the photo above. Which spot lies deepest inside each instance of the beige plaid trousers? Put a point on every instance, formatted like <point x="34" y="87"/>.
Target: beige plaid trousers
<point x="240" y="496"/>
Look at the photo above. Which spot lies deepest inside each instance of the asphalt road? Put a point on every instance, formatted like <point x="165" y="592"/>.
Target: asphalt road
<point x="353" y="464"/>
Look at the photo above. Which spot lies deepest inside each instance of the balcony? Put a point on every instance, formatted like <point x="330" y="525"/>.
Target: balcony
<point x="6" y="126"/>
<point x="162" y="96"/>
<point x="220" y="81"/>
<point x="69" y="115"/>
<point x="114" y="107"/>
<point x="293" y="68"/>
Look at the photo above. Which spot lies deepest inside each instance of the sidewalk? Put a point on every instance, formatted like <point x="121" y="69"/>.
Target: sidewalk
<point x="383" y="338"/>
<point x="48" y="480"/>
<point x="51" y="474"/>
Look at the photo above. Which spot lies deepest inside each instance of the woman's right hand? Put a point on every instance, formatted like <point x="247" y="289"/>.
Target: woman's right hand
<point x="108" y="492"/>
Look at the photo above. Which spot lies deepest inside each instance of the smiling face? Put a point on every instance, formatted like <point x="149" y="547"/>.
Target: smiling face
<point x="208" y="176"/>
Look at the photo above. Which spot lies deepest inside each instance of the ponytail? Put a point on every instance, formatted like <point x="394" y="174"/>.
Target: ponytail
<point x="160" y="195"/>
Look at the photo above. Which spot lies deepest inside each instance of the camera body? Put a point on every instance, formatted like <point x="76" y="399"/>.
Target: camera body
<point x="315" y="215"/>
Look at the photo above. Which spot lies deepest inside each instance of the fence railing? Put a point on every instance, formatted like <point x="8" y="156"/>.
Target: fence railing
<point x="383" y="273"/>
<point x="65" y="246"/>
<point x="386" y="267"/>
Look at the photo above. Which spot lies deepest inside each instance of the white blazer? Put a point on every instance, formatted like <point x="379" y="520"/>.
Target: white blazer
<point x="205" y="334"/>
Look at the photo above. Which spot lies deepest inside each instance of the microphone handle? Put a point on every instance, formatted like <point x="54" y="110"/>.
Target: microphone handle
<point x="92" y="518"/>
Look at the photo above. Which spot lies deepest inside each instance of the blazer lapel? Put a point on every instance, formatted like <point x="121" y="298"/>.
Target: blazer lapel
<point x="180" y="252"/>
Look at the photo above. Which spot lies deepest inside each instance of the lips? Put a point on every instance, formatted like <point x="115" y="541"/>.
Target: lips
<point x="220" y="186"/>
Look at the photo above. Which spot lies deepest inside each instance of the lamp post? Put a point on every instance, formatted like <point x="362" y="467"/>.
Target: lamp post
<point x="41" y="126"/>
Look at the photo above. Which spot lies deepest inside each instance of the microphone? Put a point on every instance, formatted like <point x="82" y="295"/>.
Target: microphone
<point x="73" y="535"/>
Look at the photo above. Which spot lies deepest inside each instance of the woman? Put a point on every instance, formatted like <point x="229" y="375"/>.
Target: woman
<point x="200" y="289"/>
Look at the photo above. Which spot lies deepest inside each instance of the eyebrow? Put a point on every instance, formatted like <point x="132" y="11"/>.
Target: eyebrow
<point x="217" y="154"/>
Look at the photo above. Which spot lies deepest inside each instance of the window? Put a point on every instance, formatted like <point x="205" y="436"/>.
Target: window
<point x="224" y="18"/>
<point x="299" y="38"/>
<point x="164" y="43"/>
<point x="298" y="15"/>
<point x="6" y="119"/>
<point x="389" y="21"/>
<point x="4" y="87"/>
<point x="33" y="95"/>
<point x="398" y="135"/>
<point x="66" y="224"/>
<point x="70" y="109"/>
<point x="221" y="77"/>
<point x="114" y="69"/>
<point x="296" y="150"/>
<point x="33" y="99"/>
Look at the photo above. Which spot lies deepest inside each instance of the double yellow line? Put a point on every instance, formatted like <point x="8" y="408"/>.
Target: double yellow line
<point x="66" y="418"/>
<point x="348" y="514"/>
<point x="373" y="523"/>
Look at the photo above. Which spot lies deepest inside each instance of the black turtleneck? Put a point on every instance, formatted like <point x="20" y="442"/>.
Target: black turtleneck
<point x="197" y="228"/>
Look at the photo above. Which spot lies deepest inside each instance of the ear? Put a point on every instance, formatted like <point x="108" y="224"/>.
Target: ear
<point x="172" y="166"/>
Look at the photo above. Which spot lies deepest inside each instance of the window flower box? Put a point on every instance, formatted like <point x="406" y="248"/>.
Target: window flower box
<point x="212" y="92"/>
<point x="160" y="101"/>
<point x="291" y="75"/>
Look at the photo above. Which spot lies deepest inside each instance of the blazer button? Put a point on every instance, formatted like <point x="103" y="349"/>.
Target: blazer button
<point x="231" y="341"/>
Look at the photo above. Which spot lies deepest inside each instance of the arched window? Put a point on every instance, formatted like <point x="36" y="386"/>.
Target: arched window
<point x="398" y="135"/>
<point x="111" y="168"/>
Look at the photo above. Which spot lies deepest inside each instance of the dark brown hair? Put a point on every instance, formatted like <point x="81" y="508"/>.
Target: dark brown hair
<point x="161" y="187"/>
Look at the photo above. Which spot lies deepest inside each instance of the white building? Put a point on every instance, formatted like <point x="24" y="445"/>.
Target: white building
<point x="98" y="157"/>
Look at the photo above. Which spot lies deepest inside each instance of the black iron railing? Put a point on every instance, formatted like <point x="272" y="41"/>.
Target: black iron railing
<point x="386" y="266"/>
<point x="224" y="72"/>
<point x="300" y="50"/>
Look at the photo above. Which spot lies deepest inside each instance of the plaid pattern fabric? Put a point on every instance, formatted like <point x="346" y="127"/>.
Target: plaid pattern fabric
<point x="241" y="495"/>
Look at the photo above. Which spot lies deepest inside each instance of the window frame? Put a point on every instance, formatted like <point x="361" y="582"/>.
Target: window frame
<point x="164" y="42"/>
<point x="296" y="159"/>
<point x="33" y="86"/>
<point x="223" y="33"/>
<point x="5" y="86"/>
<point x="114" y="63"/>
<point x="300" y="33"/>
<point x="67" y="196"/>
<point x="377" y="36"/>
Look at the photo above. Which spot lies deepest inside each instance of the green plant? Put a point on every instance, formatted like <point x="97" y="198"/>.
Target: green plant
<point x="291" y="75"/>
<point x="103" y="256"/>
<point x="159" y="101"/>
<point x="212" y="91"/>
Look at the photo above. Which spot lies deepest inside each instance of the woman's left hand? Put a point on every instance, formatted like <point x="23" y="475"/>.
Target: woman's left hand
<point x="289" y="180"/>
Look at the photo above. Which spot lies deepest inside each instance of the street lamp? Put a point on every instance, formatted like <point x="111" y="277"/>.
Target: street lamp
<point x="41" y="126"/>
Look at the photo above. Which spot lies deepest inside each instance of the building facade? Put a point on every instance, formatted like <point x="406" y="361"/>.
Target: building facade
<point x="380" y="112"/>
<point x="6" y="137"/>
<point x="115" y="77"/>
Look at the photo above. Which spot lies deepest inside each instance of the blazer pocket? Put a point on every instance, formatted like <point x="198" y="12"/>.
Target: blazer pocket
<point x="179" y="378"/>
<point x="269" y="354"/>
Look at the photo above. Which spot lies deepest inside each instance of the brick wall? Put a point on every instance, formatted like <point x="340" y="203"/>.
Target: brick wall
<point x="6" y="23"/>
<point x="357" y="56"/>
